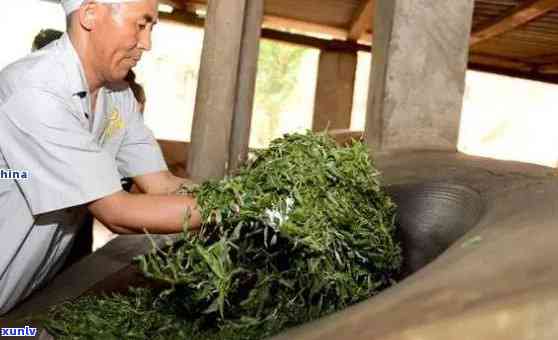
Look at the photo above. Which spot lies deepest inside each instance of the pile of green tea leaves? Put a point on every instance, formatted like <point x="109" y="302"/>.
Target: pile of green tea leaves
<point x="302" y="231"/>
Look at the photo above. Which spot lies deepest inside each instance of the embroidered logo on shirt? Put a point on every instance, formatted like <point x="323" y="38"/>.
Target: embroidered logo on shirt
<point x="114" y="124"/>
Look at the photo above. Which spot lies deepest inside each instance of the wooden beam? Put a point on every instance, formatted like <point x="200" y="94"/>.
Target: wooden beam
<point x="548" y="69"/>
<point x="514" y="68"/>
<point x="284" y="24"/>
<point x="366" y="38"/>
<point x="500" y="62"/>
<point x="191" y="19"/>
<point x="244" y="106"/>
<point x="304" y="40"/>
<point x="217" y="90"/>
<point x="548" y="64"/>
<point x="295" y="39"/>
<point x="362" y="20"/>
<point x="545" y="78"/>
<point x="333" y="101"/>
<point x="545" y="59"/>
<point x="520" y="15"/>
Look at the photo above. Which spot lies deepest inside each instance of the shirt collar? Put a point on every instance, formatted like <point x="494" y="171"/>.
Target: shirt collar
<point x="74" y="68"/>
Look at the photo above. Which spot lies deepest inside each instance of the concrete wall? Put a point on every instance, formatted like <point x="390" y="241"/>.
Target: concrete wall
<point x="418" y="71"/>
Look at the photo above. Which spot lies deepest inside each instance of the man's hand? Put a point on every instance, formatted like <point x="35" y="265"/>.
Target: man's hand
<point x="160" y="183"/>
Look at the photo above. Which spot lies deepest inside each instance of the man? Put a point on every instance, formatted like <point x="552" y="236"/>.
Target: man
<point x="73" y="137"/>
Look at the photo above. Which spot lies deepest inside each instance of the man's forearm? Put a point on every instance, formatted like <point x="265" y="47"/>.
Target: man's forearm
<point x="158" y="214"/>
<point x="159" y="183"/>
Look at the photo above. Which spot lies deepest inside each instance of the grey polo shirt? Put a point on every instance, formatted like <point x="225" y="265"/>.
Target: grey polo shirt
<point x="73" y="156"/>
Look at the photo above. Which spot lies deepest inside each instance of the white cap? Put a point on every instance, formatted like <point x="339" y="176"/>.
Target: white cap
<point x="72" y="5"/>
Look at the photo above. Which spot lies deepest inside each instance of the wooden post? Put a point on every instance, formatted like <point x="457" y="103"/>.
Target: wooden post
<point x="334" y="92"/>
<point x="229" y="38"/>
<point x="418" y="73"/>
<point x="246" y="84"/>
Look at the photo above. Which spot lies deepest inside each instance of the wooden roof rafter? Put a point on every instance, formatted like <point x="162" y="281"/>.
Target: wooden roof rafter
<point x="548" y="64"/>
<point x="506" y="63"/>
<point x="548" y="69"/>
<point x="536" y="76"/>
<point x="545" y="59"/>
<point x="281" y="23"/>
<point x="362" y="20"/>
<point x="527" y="11"/>
<point x="191" y="19"/>
<point x="514" y="68"/>
<point x="273" y="21"/>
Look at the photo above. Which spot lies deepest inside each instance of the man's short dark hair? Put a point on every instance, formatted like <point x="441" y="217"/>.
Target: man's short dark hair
<point x="45" y="37"/>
